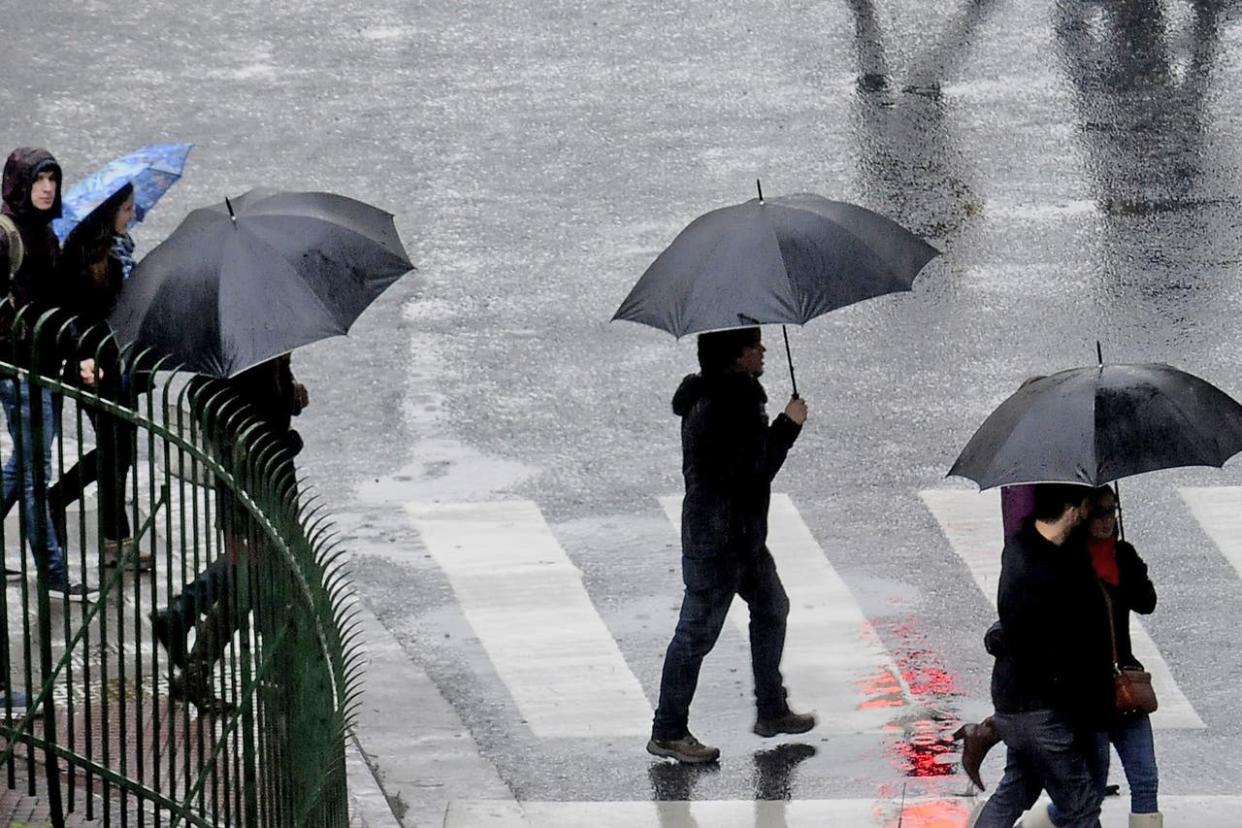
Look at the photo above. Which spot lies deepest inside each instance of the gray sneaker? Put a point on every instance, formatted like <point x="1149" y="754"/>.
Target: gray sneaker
<point x="791" y="722"/>
<point x="687" y="749"/>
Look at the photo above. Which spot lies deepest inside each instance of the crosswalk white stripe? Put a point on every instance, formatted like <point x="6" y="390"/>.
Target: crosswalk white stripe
<point x="526" y="602"/>
<point x="1219" y="511"/>
<point x="972" y="523"/>
<point x="831" y="651"/>
<point x="1199" y="811"/>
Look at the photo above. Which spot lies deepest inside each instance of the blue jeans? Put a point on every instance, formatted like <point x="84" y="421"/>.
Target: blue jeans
<point x="1132" y="737"/>
<point x="711" y="584"/>
<point x="19" y="483"/>
<point x="1045" y="752"/>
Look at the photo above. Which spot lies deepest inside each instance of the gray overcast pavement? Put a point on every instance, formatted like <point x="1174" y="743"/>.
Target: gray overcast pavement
<point x="1079" y="171"/>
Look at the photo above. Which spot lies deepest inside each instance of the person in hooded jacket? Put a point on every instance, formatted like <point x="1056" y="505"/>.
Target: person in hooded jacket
<point x="31" y="194"/>
<point x="730" y="454"/>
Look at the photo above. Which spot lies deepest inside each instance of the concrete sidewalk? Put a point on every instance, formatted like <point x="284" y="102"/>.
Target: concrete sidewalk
<point x="411" y="755"/>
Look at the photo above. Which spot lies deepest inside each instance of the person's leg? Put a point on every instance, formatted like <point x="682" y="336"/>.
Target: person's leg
<point x="1021" y="783"/>
<point x="760" y="586"/>
<point x="1095" y="749"/>
<point x="709" y="592"/>
<point x="1132" y="737"/>
<point x="111" y="471"/>
<point x="20" y="410"/>
<point x="200" y="595"/>
<point x="1066" y="758"/>
<point x="173" y="623"/>
<point x="212" y="642"/>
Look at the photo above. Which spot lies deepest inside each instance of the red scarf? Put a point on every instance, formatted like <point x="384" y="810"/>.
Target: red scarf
<point x="1104" y="559"/>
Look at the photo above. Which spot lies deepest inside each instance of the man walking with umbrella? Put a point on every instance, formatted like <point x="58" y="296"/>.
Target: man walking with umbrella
<point x="730" y="456"/>
<point x="1052" y="684"/>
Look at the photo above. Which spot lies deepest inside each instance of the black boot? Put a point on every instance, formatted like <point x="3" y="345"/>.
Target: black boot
<point x="192" y="685"/>
<point x="170" y="630"/>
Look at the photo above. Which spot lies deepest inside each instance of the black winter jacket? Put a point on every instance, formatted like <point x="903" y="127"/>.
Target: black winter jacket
<point x="729" y="456"/>
<point x="1056" y="651"/>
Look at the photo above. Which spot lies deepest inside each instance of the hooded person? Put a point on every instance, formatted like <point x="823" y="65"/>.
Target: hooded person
<point x="730" y="454"/>
<point x="29" y="253"/>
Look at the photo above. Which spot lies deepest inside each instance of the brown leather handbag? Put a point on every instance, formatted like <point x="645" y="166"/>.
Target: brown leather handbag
<point x="1132" y="690"/>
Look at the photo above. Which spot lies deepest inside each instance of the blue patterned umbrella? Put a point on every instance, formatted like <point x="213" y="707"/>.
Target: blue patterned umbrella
<point x="151" y="169"/>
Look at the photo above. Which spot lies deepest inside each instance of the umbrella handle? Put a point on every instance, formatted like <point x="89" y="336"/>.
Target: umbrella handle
<point x="789" y="358"/>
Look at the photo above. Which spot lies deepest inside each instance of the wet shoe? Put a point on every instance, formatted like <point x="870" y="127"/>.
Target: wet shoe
<point x="687" y="750"/>
<point x="790" y="723"/>
<point x="171" y="633"/>
<point x="977" y="740"/>
<point x="76" y="593"/>
<point x="191" y="685"/>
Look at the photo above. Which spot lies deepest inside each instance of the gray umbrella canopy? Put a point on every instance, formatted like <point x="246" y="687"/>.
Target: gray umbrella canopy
<point x="241" y="282"/>
<point x="781" y="260"/>
<point x="1099" y="424"/>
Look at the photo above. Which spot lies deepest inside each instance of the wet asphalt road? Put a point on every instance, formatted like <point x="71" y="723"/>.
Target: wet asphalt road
<point x="1076" y="161"/>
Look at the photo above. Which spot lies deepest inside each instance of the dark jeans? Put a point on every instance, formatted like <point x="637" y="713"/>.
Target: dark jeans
<point x="711" y="584"/>
<point x="1046" y="753"/>
<point x="211" y="586"/>
<point x="1132" y="737"/>
<point x="114" y="440"/>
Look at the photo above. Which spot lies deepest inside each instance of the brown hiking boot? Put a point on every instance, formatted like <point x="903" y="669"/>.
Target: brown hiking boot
<point x="687" y="749"/>
<point x="791" y="722"/>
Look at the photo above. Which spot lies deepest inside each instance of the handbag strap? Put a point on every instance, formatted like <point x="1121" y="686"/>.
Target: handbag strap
<point x="1112" y="630"/>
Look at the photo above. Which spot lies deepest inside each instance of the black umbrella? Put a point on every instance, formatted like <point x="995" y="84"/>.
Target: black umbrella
<point x="1096" y="425"/>
<point x="241" y="282"/>
<point x="781" y="260"/>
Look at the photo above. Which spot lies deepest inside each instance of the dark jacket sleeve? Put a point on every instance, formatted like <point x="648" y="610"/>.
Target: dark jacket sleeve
<point x="781" y="436"/>
<point x="1136" y="589"/>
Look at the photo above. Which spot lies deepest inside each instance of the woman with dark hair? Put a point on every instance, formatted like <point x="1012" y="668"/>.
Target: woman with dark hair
<point x="1123" y="577"/>
<point x="97" y="259"/>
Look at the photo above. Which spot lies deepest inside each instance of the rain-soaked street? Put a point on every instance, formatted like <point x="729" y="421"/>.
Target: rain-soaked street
<point x="504" y="462"/>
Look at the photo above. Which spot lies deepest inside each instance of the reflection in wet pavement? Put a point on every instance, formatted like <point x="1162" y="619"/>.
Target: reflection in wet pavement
<point x="921" y="748"/>
<point x="774" y="769"/>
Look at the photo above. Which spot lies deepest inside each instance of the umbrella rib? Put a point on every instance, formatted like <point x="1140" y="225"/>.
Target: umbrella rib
<point x="796" y="300"/>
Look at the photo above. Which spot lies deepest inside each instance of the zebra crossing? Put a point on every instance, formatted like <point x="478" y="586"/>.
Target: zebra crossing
<point x="570" y="674"/>
<point x="532" y="614"/>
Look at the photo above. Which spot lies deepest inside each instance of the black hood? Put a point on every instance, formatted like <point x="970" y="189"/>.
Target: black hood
<point x="20" y="171"/>
<point x="697" y="386"/>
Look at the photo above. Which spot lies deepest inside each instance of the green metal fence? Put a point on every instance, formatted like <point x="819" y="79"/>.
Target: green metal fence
<point x="196" y="528"/>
